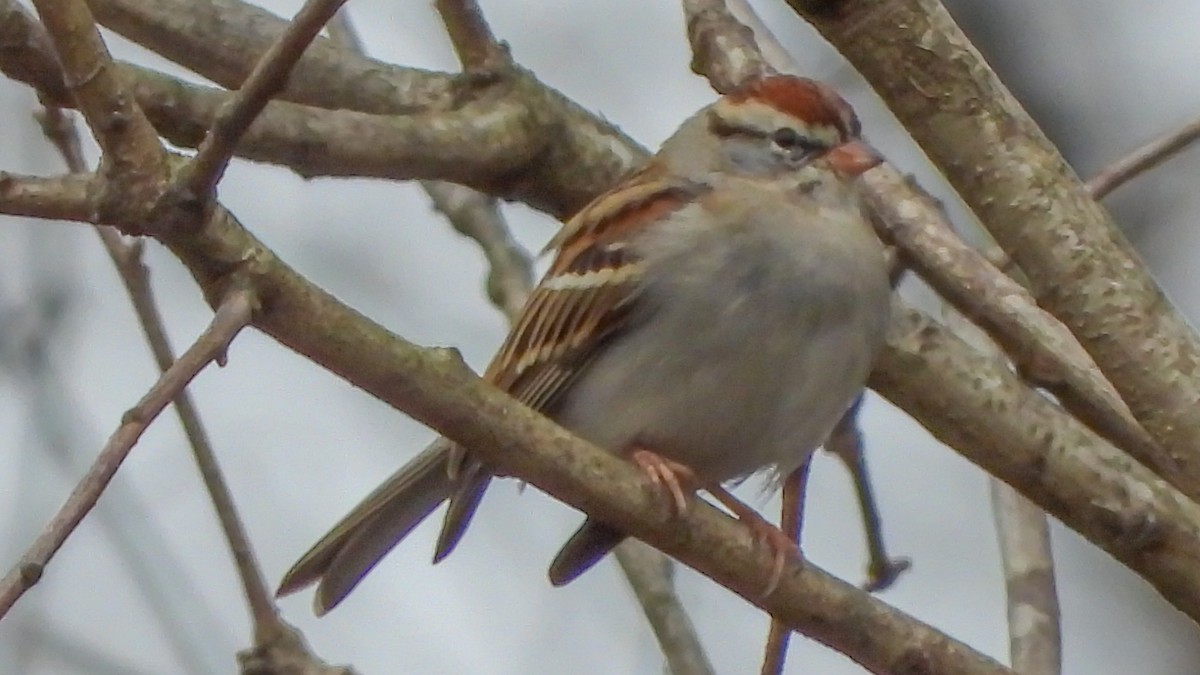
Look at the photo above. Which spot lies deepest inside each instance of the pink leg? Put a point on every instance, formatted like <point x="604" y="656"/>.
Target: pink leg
<point x="677" y="480"/>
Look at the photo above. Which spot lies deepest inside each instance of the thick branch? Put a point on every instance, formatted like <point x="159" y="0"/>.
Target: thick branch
<point x="1044" y="351"/>
<point x="1080" y="266"/>
<point x="571" y="155"/>
<point x="223" y="40"/>
<point x="723" y="50"/>
<point x="977" y="405"/>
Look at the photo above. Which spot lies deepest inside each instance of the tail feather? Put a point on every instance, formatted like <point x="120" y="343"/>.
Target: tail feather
<point x="591" y="542"/>
<point x="356" y="544"/>
<point x="472" y="482"/>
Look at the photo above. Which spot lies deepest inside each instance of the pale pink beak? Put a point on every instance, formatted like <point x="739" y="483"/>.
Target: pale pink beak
<point x="853" y="157"/>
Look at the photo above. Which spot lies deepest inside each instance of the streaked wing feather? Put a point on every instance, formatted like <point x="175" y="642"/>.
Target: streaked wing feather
<point x="587" y="294"/>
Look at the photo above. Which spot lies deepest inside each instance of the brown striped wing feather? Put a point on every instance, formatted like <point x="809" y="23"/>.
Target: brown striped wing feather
<point x="587" y="293"/>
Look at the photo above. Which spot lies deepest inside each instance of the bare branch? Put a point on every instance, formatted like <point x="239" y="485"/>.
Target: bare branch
<point x="26" y="54"/>
<point x="477" y="49"/>
<point x="1143" y="159"/>
<point x="651" y="577"/>
<point x="1023" y="530"/>
<point x="475" y="215"/>
<point x="1054" y="460"/>
<point x="267" y="79"/>
<point x="1081" y="268"/>
<point x="223" y="40"/>
<point x="231" y="316"/>
<point x="1035" y="637"/>
<point x="60" y="198"/>
<point x="723" y="50"/>
<point x="497" y="130"/>
<point x="1043" y="350"/>
<point x="132" y="153"/>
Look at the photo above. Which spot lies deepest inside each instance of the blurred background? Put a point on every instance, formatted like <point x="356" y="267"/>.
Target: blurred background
<point x="146" y="585"/>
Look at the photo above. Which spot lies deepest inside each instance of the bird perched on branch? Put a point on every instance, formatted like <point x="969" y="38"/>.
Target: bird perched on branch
<point x="710" y="317"/>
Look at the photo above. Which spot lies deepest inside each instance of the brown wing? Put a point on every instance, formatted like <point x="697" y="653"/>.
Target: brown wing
<point x="586" y="295"/>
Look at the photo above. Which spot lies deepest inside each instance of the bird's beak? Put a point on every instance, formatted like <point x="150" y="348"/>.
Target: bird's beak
<point x="853" y="157"/>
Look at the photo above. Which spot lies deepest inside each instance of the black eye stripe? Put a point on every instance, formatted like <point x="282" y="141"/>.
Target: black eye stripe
<point x="789" y="139"/>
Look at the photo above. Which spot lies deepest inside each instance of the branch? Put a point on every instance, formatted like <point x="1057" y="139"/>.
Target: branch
<point x="223" y="40"/>
<point x="476" y="215"/>
<point x="1035" y="637"/>
<point x="724" y="51"/>
<point x="130" y="147"/>
<point x="977" y="405"/>
<point x="1080" y="267"/>
<point x="564" y="155"/>
<point x="234" y="313"/>
<point x="61" y="198"/>
<point x="846" y="442"/>
<point x="26" y="54"/>
<point x="473" y="42"/>
<point x="1043" y="350"/>
<point x="1142" y="160"/>
<point x="498" y="129"/>
<point x="268" y="78"/>
<point x="651" y="578"/>
<point x="1023" y="530"/>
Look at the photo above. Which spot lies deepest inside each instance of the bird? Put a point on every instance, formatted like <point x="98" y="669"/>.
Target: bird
<point x="708" y="318"/>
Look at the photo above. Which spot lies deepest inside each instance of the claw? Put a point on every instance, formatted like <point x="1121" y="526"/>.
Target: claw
<point x="677" y="480"/>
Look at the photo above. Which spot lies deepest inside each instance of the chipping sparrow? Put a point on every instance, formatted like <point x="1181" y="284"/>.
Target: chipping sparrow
<point x="711" y="316"/>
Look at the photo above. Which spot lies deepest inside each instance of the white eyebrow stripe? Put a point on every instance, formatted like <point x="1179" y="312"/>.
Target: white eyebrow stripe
<point x="757" y="115"/>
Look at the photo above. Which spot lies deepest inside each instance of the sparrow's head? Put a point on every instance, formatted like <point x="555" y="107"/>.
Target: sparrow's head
<point x="775" y="125"/>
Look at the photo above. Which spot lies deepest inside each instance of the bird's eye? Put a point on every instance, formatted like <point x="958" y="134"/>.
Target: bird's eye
<point x="790" y="139"/>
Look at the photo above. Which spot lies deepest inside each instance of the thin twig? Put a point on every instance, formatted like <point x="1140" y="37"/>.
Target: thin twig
<point x="476" y="215"/>
<point x="127" y="258"/>
<point x="234" y="313"/>
<point x="1035" y="634"/>
<point x="651" y="577"/>
<point x="268" y="78"/>
<point x="1142" y="160"/>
